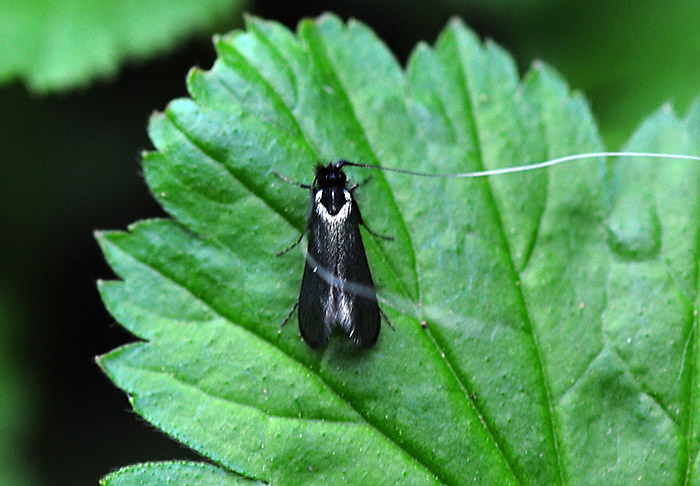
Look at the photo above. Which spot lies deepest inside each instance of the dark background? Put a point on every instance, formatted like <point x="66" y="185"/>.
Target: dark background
<point x="71" y="165"/>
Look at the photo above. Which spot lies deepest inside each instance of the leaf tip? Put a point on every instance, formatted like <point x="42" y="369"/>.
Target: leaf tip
<point x="455" y="24"/>
<point x="328" y="17"/>
<point x="421" y="49"/>
<point x="250" y="20"/>
<point x="455" y="21"/>
<point x="101" y="237"/>
<point x="99" y="361"/>
<point x="155" y="115"/>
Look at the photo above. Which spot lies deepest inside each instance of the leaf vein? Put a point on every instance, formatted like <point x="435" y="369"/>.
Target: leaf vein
<point x="644" y="389"/>
<point x="445" y="356"/>
<point x="277" y="98"/>
<point x="235" y="174"/>
<point x="692" y="359"/>
<point x="356" y="120"/>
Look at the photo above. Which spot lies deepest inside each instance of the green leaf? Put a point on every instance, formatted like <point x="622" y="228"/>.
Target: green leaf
<point x="175" y="473"/>
<point x="57" y="45"/>
<point x="545" y="321"/>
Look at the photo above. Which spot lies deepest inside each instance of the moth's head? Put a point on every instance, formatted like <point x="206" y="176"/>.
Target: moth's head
<point x="330" y="175"/>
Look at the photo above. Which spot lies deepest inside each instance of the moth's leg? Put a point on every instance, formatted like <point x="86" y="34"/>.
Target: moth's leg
<point x="290" y="181"/>
<point x="386" y="318"/>
<point x="291" y="312"/>
<point x="290" y="247"/>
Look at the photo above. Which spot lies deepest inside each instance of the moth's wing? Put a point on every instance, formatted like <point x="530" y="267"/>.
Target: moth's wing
<point x="336" y="252"/>
<point x="315" y="290"/>
<point x="359" y="289"/>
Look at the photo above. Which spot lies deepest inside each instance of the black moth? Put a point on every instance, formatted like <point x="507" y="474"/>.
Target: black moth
<point x="337" y="288"/>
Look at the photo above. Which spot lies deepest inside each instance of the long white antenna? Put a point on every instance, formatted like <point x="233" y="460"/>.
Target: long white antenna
<point x="525" y="168"/>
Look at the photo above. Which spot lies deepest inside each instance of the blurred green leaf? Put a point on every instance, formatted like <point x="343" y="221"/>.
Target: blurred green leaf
<point x="174" y="473"/>
<point x="627" y="57"/>
<point x="545" y="321"/>
<point x="58" y="45"/>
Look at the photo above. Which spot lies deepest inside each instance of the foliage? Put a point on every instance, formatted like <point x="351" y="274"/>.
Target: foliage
<point x="60" y="45"/>
<point x="545" y="321"/>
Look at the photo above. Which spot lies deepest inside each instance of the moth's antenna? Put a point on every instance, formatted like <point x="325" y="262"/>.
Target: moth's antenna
<point x="525" y="168"/>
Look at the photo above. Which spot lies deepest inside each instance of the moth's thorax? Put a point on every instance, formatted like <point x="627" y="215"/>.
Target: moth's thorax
<point x="333" y="202"/>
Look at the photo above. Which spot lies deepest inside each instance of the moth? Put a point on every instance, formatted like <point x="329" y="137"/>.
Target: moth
<point x="337" y="289"/>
